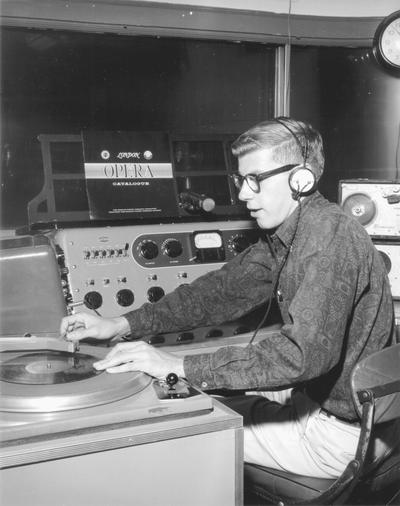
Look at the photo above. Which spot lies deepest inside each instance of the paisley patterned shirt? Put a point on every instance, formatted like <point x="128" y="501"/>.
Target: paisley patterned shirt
<point x="333" y="294"/>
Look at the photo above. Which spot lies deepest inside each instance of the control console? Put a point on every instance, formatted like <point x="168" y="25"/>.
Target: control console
<point x="112" y="270"/>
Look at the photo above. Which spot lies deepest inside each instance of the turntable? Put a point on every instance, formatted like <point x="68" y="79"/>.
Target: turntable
<point x="46" y="387"/>
<point x="61" y="418"/>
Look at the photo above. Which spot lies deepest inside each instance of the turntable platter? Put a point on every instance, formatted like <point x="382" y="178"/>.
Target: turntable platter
<point x="51" y="380"/>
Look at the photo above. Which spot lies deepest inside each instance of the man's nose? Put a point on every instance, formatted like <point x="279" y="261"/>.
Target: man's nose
<point x="245" y="192"/>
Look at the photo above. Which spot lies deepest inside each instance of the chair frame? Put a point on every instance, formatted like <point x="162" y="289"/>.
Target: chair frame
<point x="342" y="487"/>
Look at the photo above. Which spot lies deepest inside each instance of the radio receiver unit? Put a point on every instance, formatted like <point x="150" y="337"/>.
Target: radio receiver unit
<point x="374" y="203"/>
<point x="31" y="296"/>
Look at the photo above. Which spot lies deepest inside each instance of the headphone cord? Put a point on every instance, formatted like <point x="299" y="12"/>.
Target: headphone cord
<point x="278" y="272"/>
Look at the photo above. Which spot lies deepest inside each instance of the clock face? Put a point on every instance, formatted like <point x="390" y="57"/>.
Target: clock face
<point x="390" y="42"/>
<point x="387" y="42"/>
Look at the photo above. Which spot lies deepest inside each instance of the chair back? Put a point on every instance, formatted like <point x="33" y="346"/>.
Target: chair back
<point x="379" y="373"/>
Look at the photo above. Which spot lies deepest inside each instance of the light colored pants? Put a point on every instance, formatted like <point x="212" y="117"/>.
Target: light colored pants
<point x="286" y="430"/>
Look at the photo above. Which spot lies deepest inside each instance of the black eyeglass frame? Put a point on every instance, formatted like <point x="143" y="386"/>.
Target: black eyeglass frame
<point x="257" y="178"/>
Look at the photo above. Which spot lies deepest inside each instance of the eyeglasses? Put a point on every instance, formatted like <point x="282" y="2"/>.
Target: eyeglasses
<point x="253" y="180"/>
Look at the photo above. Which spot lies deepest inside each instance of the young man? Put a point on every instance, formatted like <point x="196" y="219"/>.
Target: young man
<point x="334" y="297"/>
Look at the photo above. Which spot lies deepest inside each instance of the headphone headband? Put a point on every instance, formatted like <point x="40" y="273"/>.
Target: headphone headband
<point x="303" y="148"/>
<point x="302" y="180"/>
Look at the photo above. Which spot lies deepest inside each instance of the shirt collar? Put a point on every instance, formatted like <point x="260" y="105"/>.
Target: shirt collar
<point x="285" y="231"/>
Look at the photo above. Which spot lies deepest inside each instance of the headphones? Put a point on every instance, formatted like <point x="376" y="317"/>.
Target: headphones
<point x="302" y="180"/>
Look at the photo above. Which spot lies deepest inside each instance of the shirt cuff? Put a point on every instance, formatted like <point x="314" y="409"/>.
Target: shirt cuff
<point x="198" y="371"/>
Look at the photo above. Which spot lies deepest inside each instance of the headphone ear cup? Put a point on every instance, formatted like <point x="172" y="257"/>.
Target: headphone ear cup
<point x="302" y="180"/>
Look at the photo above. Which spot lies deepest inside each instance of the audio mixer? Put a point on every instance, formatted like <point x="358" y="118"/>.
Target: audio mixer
<point x="113" y="270"/>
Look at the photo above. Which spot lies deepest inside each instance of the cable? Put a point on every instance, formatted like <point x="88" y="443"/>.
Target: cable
<point x="287" y="59"/>
<point x="288" y="22"/>
<point x="278" y="271"/>
<point x="91" y="307"/>
<point x="397" y="156"/>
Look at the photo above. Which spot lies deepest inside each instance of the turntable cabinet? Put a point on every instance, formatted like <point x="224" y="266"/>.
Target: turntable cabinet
<point x="78" y="437"/>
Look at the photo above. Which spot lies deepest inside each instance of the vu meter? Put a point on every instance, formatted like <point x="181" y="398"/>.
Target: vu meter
<point x="207" y="240"/>
<point x="208" y="246"/>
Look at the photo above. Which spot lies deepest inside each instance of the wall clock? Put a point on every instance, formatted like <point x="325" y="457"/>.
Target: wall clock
<point x="386" y="45"/>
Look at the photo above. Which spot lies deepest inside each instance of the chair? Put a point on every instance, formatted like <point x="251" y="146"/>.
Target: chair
<point x="375" y="384"/>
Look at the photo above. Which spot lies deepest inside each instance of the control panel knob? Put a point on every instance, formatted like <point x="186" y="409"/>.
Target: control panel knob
<point x="125" y="297"/>
<point x="155" y="293"/>
<point x="172" y="248"/>
<point x="240" y="243"/>
<point x="148" y="250"/>
<point x="93" y="300"/>
<point x="171" y="379"/>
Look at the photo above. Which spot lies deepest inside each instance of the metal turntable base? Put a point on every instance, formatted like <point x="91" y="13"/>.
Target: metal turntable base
<point x="47" y="391"/>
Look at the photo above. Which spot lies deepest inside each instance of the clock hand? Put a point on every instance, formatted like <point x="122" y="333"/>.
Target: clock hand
<point x="396" y="29"/>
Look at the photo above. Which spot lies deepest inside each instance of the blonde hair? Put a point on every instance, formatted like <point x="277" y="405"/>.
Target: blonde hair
<point x="291" y="141"/>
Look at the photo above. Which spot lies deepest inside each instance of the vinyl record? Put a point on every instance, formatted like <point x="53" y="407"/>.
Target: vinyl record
<point x="361" y="207"/>
<point x="48" y="367"/>
<point x="44" y="380"/>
